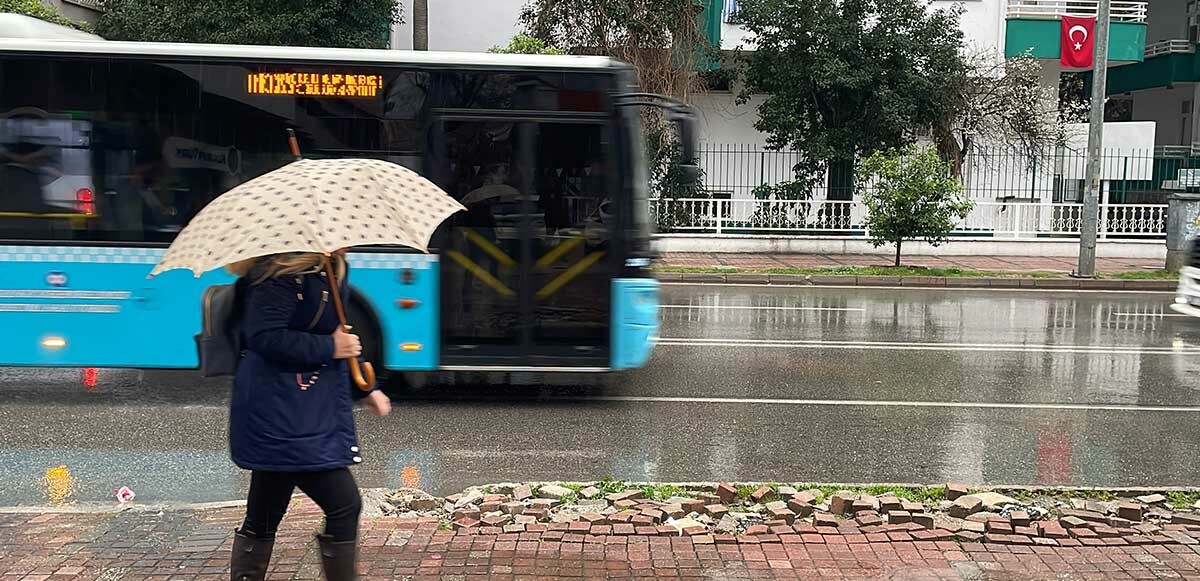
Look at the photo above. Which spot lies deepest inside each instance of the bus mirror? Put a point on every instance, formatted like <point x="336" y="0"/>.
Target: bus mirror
<point x="685" y="122"/>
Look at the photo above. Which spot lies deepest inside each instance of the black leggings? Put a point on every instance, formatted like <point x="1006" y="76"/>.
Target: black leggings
<point x="333" y="490"/>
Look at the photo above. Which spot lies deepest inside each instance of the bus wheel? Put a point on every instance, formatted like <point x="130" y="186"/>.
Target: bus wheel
<point x="366" y="326"/>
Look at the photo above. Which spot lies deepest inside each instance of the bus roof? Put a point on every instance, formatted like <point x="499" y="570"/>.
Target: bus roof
<point x="311" y="54"/>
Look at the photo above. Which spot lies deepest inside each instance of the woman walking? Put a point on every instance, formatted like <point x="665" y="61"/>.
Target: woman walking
<point x="290" y="418"/>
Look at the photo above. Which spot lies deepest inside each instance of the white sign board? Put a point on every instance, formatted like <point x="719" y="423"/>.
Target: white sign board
<point x="1128" y="151"/>
<point x="1189" y="178"/>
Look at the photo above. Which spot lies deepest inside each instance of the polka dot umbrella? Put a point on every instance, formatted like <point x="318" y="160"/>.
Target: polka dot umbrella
<point x="312" y="206"/>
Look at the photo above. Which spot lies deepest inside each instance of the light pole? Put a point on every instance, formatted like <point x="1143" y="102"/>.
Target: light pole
<point x="1089" y="222"/>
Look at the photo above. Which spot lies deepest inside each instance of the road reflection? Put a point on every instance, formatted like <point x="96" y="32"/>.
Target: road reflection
<point x="67" y="436"/>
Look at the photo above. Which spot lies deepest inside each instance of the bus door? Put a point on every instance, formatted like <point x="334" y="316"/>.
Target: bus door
<point x="527" y="269"/>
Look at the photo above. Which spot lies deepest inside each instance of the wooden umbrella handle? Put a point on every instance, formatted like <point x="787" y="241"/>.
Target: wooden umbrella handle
<point x="293" y="143"/>
<point x="363" y="377"/>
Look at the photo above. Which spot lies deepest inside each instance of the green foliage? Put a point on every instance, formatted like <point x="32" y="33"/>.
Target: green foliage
<point x="1180" y="500"/>
<point x="929" y="495"/>
<point x="610" y="486"/>
<point x="783" y="215"/>
<point x="910" y="194"/>
<point x="326" y="23"/>
<point x="637" y="31"/>
<point x="525" y="44"/>
<point x="36" y="9"/>
<point x="847" y="78"/>
<point x="663" y="492"/>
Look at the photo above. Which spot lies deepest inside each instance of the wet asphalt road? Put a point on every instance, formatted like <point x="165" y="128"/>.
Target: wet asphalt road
<point x="749" y="383"/>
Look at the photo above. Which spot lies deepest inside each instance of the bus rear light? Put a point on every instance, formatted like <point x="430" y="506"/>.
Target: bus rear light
<point x="91" y="377"/>
<point x="85" y="201"/>
<point x="54" y="342"/>
<point x="408" y="303"/>
<point x="410" y="346"/>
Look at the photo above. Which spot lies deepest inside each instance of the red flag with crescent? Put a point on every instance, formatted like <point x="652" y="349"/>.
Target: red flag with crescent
<point x="1078" y="44"/>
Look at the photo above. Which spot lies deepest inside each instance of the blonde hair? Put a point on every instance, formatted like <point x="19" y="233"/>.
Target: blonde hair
<point x="286" y="264"/>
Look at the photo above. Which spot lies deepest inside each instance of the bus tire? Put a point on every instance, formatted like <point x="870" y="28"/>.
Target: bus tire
<point x="365" y="324"/>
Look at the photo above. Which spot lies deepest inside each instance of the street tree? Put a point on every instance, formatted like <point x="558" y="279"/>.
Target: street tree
<point x="420" y="24"/>
<point x="661" y="39"/>
<point x="910" y="195"/>
<point x="36" y="9"/>
<point x="1004" y="103"/>
<point x="332" y="23"/>
<point x="843" y="79"/>
<point x="525" y="44"/>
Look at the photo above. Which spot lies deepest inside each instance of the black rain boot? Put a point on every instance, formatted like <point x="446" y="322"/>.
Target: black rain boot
<point x="250" y="557"/>
<point x="339" y="560"/>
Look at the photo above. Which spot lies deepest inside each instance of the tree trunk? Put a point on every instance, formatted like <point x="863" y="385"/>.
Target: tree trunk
<point x="950" y="151"/>
<point x="420" y="24"/>
<point x="898" y="242"/>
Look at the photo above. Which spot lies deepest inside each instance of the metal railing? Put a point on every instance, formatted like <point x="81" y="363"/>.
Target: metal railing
<point x="1173" y="46"/>
<point x="989" y="173"/>
<point x="846" y="218"/>
<point x="1163" y="151"/>
<point x="1122" y="10"/>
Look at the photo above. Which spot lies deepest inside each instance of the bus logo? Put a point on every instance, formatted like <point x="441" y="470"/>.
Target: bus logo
<point x="56" y="279"/>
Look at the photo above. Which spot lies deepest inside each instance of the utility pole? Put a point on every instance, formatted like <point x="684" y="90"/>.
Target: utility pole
<point x="1091" y="195"/>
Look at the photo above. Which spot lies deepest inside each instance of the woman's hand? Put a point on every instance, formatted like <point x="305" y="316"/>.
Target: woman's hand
<point x="345" y="345"/>
<point x="378" y="403"/>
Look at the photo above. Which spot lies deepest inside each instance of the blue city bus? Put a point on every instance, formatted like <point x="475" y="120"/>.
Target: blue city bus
<point x="107" y="149"/>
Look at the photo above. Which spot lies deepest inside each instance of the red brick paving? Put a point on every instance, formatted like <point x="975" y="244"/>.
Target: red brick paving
<point x="758" y="261"/>
<point x="194" y="545"/>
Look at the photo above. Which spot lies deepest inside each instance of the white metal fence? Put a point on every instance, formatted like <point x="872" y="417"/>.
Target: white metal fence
<point x="1122" y="10"/>
<point x="846" y="218"/>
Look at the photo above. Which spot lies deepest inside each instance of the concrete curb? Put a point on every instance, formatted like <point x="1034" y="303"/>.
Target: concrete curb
<point x="917" y="281"/>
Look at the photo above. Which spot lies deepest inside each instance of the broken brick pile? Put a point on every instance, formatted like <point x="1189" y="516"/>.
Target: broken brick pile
<point x="719" y="514"/>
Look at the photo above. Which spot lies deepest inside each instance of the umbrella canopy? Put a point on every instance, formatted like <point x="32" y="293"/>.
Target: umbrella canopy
<point x="312" y="206"/>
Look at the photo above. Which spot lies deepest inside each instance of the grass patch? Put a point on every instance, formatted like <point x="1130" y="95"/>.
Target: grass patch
<point x="1026" y="496"/>
<point x="823" y="492"/>
<point x="1144" y="275"/>
<point x="1180" y="500"/>
<point x="609" y="486"/>
<point x="931" y="495"/>
<point x="910" y="271"/>
<point x="744" y="491"/>
<point x="864" y="271"/>
<point x="664" y="491"/>
<point x="573" y="487"/>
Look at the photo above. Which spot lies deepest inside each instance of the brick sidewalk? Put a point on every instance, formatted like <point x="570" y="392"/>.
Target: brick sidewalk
<point x="1063" y="265"/>
<point x="194" y="544"/>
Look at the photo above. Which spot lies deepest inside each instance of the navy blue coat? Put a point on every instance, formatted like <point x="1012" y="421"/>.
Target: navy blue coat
<point x="280" y="418"/>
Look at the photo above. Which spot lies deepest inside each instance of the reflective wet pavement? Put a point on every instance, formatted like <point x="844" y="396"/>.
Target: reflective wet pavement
<point x="749" y="383"/>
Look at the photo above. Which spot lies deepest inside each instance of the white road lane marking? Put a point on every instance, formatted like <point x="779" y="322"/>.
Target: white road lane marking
<point x="764" y="308"/>
<point x="911" y="346"/>
<point x="886" y="403"/>
<point x="918" y="288"/>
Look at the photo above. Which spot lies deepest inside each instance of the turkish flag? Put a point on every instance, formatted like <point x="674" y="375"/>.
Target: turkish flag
<point x="1078" y="44"/>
